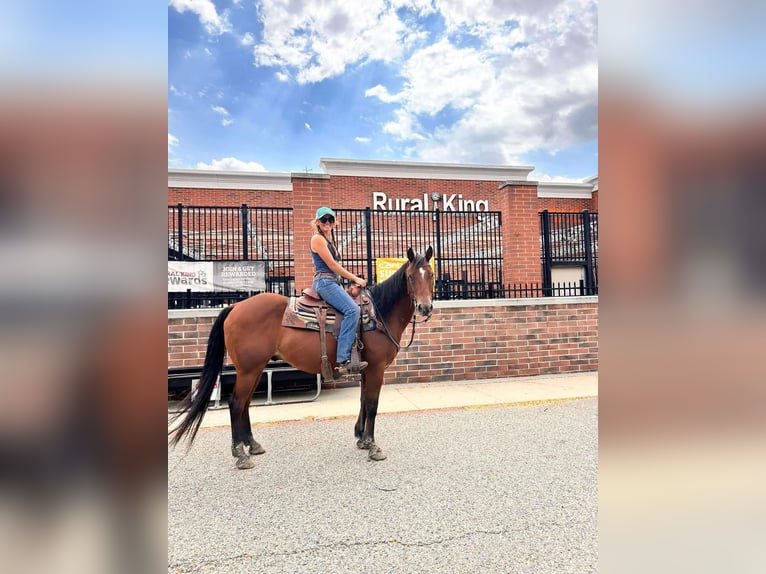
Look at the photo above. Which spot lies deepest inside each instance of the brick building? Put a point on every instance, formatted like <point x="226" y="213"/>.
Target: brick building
<point x="399" y="186"/>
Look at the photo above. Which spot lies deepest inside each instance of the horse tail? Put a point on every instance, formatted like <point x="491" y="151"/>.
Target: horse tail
<point x="195" y="408"/>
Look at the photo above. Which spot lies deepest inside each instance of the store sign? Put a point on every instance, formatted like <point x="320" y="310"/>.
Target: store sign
<point x="208" y="276"/>
<point x="444" y="202"/>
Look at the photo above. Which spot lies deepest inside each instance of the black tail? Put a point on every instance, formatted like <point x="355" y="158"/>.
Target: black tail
<point x="195" y="409"/>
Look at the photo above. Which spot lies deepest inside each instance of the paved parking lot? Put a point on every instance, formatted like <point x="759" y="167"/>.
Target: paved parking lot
<point x="493" y="489"/>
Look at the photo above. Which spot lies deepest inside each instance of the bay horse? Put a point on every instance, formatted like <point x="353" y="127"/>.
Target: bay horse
<point x="252" y="333"/>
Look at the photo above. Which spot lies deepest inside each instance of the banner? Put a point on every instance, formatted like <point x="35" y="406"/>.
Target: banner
<point x="387" y="266"/>
<point x="208" y="276"/>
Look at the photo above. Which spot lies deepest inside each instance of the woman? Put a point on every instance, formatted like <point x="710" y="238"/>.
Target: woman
<point x="327" y="274"/>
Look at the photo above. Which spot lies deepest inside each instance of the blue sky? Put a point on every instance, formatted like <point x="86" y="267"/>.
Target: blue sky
<point x="277" y="85"/>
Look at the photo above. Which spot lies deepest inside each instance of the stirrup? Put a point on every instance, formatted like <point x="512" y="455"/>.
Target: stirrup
<point x="346" y="368"/>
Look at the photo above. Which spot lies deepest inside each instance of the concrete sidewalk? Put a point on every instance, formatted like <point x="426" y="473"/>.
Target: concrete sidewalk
<point x="395" y="398"/>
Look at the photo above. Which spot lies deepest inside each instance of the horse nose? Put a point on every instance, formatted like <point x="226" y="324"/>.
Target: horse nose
<point x="425" y="309"/>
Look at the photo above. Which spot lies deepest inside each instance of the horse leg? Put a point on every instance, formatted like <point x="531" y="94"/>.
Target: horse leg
<point x="359" y="426"/>
<point x="239" y="405"/>
<point x="370" y="408"/>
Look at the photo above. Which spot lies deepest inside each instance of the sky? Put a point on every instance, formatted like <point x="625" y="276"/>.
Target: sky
<point x="277" y="85"/>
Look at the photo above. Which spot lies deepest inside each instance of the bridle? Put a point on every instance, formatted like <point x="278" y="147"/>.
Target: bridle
<point x="414" y="319"/>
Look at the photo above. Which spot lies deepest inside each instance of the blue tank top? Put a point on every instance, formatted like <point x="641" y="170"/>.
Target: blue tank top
<point x="319" y="265"/>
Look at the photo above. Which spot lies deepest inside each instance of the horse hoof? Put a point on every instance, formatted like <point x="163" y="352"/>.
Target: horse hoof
<point x="376" y="454"/>
<point x="256" y="448"/>
<point x="244" y="463"/>
<point x="363" y="444"/>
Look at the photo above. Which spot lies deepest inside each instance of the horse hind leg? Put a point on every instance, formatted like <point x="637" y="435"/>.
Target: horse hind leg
<point x="239" y="412"/>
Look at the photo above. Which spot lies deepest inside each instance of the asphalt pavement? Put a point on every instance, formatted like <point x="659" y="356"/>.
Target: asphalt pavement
<point x="479" y="482"/>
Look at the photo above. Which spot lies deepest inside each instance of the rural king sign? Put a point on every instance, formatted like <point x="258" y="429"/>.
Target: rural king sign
<point x="444" y="202"/>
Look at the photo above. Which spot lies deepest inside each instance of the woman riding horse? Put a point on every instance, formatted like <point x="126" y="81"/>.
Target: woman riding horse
<point x="252" y="333"/>
<point x="327" y="273"/>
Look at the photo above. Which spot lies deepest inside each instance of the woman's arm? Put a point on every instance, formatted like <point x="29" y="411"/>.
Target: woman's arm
<point x="319" y="246"/>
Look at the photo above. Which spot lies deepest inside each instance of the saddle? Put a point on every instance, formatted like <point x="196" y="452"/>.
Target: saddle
<point x="310" y="311"/>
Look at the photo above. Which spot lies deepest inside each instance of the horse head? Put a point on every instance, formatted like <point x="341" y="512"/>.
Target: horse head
<point x="420" y="281"/>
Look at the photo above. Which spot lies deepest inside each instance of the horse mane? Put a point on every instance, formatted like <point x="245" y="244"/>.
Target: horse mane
<point x="387" y="293"/>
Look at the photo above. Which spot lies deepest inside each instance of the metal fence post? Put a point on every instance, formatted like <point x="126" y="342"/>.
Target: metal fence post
<point x="245" y="225"/>
<point x="589" y="287"/>
<point x="368" y="238"/>
<point x="547" y="255"/>
<point x="439" y="281"/>
<point x="180" y="242"/>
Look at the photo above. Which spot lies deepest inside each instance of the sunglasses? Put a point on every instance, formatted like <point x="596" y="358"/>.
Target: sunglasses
<point x="327" y="219"/>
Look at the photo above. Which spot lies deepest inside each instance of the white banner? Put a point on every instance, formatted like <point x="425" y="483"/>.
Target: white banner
<point x="207" y="276"/>
<point x="194" y="275"/>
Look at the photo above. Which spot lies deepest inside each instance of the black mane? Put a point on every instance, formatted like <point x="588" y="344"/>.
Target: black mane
<point x="387" y="293"/>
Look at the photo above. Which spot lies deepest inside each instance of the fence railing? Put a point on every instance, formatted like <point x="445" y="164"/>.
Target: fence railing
<point x="213" y="233"/>
<point x="467" y="248"/>
<point x="455" y="290"/>
<point x="569" y="240"/>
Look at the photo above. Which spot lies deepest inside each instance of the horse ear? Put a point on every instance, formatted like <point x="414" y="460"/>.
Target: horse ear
<point x="410" y="254"/>
<point x="429" y="253"/>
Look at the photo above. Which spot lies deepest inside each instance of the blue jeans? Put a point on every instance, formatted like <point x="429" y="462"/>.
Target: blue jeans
<point x="336" y="296"/>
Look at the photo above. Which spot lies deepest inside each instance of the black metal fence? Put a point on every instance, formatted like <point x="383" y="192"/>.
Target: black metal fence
<point x="210" y="233"/>
<point x="569" y="240"/>
<point x="467" y="248"/>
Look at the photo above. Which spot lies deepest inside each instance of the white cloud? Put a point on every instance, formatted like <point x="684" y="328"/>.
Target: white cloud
<point x="282" y="76"/>
<point x="231" y="164"/>
<point x="364" y="140"/>
<point x="382" y="94"/>
<point x="214" y="23"/>
<point x="516" y="86"/>
<point x="319" y="40"/>
<point x="172" y="142"/>
<point x="224" y="113"/>
<point x="308" y="126"/>
<point x="404" y="127"/>
<point x="247" y="40"/>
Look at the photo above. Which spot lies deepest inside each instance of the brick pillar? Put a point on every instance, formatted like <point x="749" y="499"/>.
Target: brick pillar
<point x="521" y="233"/>
<point x="309" y="192"/>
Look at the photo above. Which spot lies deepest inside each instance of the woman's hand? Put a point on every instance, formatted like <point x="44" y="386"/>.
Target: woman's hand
<point x="360" y="282"/>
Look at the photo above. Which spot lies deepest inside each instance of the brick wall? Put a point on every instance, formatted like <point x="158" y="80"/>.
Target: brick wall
<point x="567" y="205"/>
<point x="463" y="340"/>
<point x="229" y="197"/>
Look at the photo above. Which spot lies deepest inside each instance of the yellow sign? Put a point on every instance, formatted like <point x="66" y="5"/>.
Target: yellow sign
<point x="387" y="266"/>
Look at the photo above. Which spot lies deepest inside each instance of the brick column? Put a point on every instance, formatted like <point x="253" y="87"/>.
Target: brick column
<point x="521" y="232"/>
<point x="309" y="192"/>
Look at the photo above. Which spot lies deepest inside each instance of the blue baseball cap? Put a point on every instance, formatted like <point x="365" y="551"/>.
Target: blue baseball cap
<point x="322" y="211"/>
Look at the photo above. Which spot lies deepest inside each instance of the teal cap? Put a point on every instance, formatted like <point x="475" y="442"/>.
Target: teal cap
<point x="322" y="211"/>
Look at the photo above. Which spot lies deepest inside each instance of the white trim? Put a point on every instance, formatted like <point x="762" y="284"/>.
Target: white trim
<point x="450" y="304"/>
<point x="565" y="190"/>
<point x="193" y="313"/>
<point x="528" y="302"/>
<point x="251" y="180"/>
<point x="418" y="170"/>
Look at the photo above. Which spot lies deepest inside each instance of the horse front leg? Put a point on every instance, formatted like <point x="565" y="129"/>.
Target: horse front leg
<point x="359" y="426"/>
<point x="369" y="412"/>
